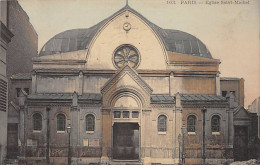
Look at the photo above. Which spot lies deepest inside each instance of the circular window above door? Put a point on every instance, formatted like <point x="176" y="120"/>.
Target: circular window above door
<point x="126" y="55"/>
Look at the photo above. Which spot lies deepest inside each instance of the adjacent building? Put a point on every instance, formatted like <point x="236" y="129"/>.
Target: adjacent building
<point x="235" y="86"/>
<point x="254" y="107"/>
<point x="17" y="58"/>
<point x="5" y="39"/>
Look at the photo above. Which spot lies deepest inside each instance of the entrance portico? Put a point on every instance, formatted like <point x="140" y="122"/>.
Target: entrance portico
<point x="124" y="98"/>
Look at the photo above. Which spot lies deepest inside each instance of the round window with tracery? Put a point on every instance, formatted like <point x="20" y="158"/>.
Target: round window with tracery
<point x="126" y="55"/>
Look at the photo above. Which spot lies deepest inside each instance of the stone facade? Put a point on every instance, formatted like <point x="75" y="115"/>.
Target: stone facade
<point x="125" y="90"/>
<point x="234" y="85"/>
<point x="254" y="107"/>
<point x="5" y="39"/>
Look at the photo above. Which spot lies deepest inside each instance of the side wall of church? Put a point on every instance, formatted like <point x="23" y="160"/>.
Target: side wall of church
<point x="159" y="146"/>
<point x="193" y="85"/>
<point x="216" y="143"/>
<point x="57" y="84"/>
<point x="84" y="144"/>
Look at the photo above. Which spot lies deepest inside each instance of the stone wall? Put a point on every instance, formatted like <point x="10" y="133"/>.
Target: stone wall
<point x="216" y="143"/>
<point x="24" y="44"/>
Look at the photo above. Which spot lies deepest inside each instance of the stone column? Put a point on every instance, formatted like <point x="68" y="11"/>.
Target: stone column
<point x="22" y="121"/>
<point x="178" y="122"/>
<point x="34" y="82"/>
<point x="171" y="80"/>
<point x="106" y="135"/>
<point x="146" y="136"/>
<point x="230" y="119"/>
<point x="74" y="117"/>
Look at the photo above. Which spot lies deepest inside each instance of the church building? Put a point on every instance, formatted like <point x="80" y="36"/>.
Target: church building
<point x="126" y="90"/>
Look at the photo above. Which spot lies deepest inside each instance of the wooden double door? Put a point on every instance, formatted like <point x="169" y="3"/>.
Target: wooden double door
<point x="126" y="141"/>
<point x="241" y="143"/>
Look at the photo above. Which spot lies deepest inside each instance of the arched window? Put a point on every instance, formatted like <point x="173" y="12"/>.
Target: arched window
<point x="61" y="122"/>
<point x="37" y="122"/>
<point x="90" y="122"/>
<point x="215" y="123"/>
<point x="191" y="123"/>
<point x="162" y="119"/>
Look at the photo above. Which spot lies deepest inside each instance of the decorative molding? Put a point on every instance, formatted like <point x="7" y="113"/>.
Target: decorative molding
<point x="162" y="105"/>
<point x="193" y="105"/>
<point x="120" y="74"/>
<point x="128" y="90"/>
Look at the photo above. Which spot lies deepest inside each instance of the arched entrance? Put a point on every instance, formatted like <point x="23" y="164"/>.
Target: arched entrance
<point x="126" y="114"/>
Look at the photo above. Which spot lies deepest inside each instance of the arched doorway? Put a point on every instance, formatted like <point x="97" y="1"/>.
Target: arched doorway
<point x="126" y="117"/>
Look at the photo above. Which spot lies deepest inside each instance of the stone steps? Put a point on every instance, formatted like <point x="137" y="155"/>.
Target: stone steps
<point x="125" y="162"/>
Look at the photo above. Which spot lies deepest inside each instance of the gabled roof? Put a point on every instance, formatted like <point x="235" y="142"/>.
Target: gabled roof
<point x="22" y="76"/>
<point x="202" y="98"/>
<point x="79" y="39"/>
<point x="162" y="99"/>
<point x="63" y="97"/>
<point x="230" y="79"/>
<point x="124" y="70"/>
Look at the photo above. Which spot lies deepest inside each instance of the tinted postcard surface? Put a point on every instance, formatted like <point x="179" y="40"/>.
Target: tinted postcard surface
<point x="133" y="82"/>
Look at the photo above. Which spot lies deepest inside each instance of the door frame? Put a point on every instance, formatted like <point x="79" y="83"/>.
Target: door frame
<point x="139" y="153"/>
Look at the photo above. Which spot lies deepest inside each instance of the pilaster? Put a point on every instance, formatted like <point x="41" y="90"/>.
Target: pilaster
<point x="75" y="119"/>
<point x="218" y="84"/>
<point x="171" y="84"/>
<point x="80" y="91"/>
<point x="178" y="122"/>
<point x="34" y="82"/>
<point x="106" y="135"/>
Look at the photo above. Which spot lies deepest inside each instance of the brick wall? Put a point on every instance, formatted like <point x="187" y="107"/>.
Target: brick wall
<point x="24" y="44"/>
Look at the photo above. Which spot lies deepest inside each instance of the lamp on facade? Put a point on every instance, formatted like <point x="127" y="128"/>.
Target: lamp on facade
<point x="69" y="131"/>
<point x="203" y="110"/>
<point x="183" y="131"/>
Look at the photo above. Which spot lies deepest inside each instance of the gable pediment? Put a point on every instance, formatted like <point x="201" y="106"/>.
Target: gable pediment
<point x="241" y="112"/>
<point x="126" y="76"/>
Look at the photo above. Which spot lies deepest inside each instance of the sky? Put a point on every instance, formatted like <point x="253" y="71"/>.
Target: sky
<point x="230" y="31"/>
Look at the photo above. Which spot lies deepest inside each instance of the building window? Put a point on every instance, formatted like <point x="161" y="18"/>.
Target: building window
<point x="3" y="95"/>
<point x="224" y="93"/>
<point x="215" y="123"/>
<point x="17" y="91"/>
<point x="37" y="122"/>
<point x="162" y="119"/>
<point x="135" y="114"/>
<point x="90" y="122"/>
<point x="126" y="55"/>
<point x="117" y="114"/>
<point x="125" y="114"/>
<point x="61" y="122"/>
<point x="191" y="123"/>
<point x="26" y="90"/>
